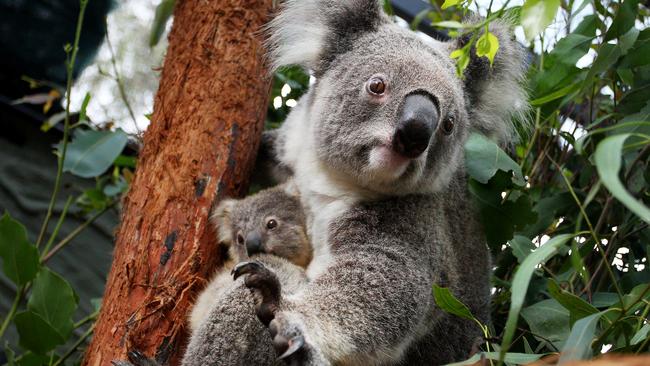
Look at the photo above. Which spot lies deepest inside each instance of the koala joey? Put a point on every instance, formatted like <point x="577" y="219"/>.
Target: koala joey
<point x="270" y="222"/>
<point x="269" y="228"/>
<point x="376" y="150"/>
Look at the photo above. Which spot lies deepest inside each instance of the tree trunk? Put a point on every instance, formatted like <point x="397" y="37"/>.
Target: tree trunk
<point x="200" y="147"/>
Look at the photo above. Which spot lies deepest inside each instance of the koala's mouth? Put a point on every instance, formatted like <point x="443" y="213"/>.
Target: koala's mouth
<point x="384" y="162"/>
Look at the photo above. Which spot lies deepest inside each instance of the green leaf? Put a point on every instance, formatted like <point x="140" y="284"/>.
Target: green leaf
<point x="608" y="162"/>
<point x="501" y="219"/>
<point x="641" y="335"/>
<point x="483" y="158"/>
<point x="54" y="301"/>
<point x="536" y="15"/>
<point x="449" y="3"/>
<point x="36" y="334"/>
<point x="164" y="11"/>
<point x="84" y="106"/>
<point x="628" y="39"/>
<point x="521" y="247"/>
<point x="452" y="24"/>
<point x="607" y="55"/>
<point x="450" y="304"/>
<point x="578" y="307"/>
<point x="92" y="152"/>
<point x="511" y="358"/>
<point x="20" y="260"/>
<point x="548" y="319"/>
<point x="555" y="95"/>
<point x="578" y="345"/>
<point x="521" y="280"/>
<point x="624" y="19"/>
<point x="487" y="45"/>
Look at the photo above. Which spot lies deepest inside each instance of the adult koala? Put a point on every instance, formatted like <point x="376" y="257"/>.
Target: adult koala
<point x="376" y="147"/>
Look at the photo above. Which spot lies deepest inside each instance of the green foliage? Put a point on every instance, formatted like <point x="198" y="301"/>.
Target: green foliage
<point x="45" y="304"/>
<point x="566" y="209"/>
<point x="92" y="152"/>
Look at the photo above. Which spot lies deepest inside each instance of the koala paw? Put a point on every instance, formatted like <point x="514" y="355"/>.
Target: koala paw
<point x="266" y="283"/>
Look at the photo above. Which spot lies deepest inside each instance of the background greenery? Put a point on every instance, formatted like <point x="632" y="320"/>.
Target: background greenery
<point x="565" y="208"/>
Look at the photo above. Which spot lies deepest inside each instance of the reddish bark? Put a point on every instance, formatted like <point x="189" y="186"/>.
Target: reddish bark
<point x="208" y="117"/>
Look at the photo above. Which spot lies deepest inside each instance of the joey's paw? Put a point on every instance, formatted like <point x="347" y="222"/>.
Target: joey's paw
<point x="291" y="344"/>
<point x="265" y="282"/>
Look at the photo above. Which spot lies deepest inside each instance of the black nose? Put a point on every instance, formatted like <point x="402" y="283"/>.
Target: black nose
<point x="418" y="121"/>
<point x="254" y="243"/>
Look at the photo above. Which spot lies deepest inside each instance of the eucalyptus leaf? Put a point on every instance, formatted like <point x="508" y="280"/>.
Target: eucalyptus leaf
<point x="578" y="307"/>
<point x="521" y="281"/>
<point x="608" y="162"/>
<point x="578" y="345"/>
<point x="521" y="247"/>
<point x="20" y="261"/>
<point x="92" y="152"/>
<point x="484" y="158"/>
<point x="446" y="301"/>
<point x="536" y="15"/>
<point x="641" y="335"/>
<point x="164" y="11"/>
<point x="549" y="320"/>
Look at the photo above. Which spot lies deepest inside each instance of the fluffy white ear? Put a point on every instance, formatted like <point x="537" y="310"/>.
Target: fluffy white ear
<point x="496" y="93"/>
<point x="305" y="30"/>
<point x="221" y="219"/>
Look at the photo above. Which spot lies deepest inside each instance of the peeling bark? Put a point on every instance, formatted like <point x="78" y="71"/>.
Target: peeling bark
<point x="200" y="147"/>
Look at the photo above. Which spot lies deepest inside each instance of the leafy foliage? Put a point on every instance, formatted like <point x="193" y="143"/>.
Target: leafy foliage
<point x="566" y="209"/>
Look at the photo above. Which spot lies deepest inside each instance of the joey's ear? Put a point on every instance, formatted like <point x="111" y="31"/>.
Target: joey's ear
<point x="496" y="93"/>
<point x="222" y="220"/>
<point x="311" y="33"/>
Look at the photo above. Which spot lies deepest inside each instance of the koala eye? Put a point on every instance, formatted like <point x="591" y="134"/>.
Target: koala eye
<point x="448" y="125"/>
<point x="271" y="224"/>
<point x="240" y="239"/>
<point x="376" y="86"/>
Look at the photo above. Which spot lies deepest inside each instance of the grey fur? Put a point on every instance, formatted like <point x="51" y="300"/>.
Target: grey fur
<point x="225" y="330"/>
<point x="382" y="238"/>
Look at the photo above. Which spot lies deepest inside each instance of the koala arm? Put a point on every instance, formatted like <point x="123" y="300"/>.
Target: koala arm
<point x="369" y="304"/>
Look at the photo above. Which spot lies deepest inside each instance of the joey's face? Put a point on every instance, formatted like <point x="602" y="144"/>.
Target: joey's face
<point x="390" y="114"/>
<point x="271" y="222"/>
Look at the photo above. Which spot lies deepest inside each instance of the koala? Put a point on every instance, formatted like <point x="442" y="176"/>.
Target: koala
<point x="268" y="227"/>
<point x="270" y="222"/>
<point x="376" y="151"/>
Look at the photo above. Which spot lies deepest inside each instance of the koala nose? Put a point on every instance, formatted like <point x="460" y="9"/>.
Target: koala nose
<point x="418" y="121"/>
<point x="254" y="243"/>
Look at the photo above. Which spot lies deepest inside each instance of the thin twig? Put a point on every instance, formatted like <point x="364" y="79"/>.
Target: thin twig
<point x="72" y="56"/>
<point x="120" y="84"/>
<point x="65" y="241"/>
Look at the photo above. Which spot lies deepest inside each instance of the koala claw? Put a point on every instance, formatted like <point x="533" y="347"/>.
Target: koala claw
<point x="264" y="281"/>
<point x="293" y="345"/>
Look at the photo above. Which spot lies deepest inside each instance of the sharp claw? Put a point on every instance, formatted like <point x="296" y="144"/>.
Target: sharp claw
<point x="244" y="268"/>
<point x="295" y="344"/>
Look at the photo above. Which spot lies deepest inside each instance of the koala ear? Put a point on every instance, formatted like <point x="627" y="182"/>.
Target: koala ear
<point x="496" y="94"/>
<point x="312" y="32"/>
<point x="221" y="219"/>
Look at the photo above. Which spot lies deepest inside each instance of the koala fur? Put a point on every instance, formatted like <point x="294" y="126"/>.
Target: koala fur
<point x="233" y="218"/>
<point x="223" y="325"/>
<point x="385" y="227"/>
<point x="224" y="328"/>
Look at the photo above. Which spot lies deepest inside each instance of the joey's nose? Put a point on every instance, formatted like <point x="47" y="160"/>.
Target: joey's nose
<point x="254" y="243"/>
<point x="418" y="121"/>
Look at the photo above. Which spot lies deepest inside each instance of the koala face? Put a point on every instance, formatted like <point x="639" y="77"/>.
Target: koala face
<point x="388" y="112"/>
<point x="393" y="114"/>
<point x="271" y="221"/>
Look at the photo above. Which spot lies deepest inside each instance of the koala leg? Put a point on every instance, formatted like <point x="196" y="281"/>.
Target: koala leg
<point x="288" y="340"/>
